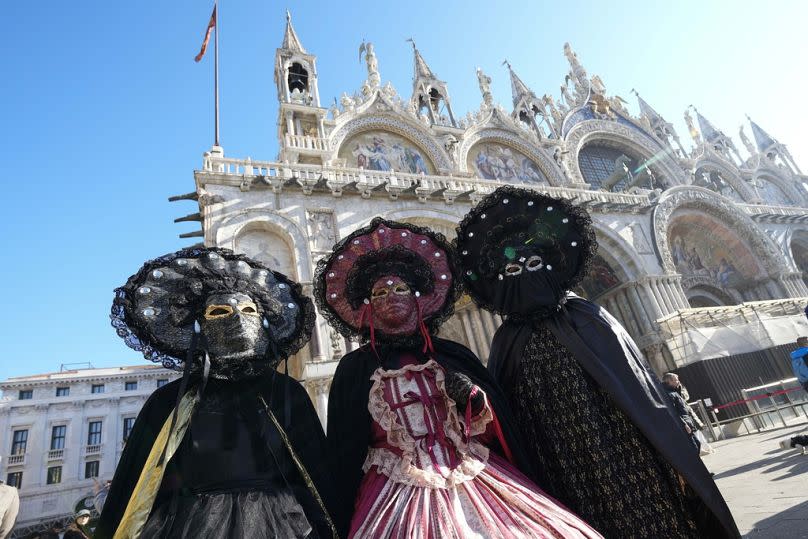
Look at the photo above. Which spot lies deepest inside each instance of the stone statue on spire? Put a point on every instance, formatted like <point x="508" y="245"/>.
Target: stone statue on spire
<point x="374" y="79"/>
<point x="747" y="144"/>
<point x="484" y="82"/>
<point x="691" y="128"/>
<point x="577" y="71"/>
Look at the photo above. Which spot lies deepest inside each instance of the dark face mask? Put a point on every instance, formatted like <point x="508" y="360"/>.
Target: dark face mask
<point x="232" y="327"/>
<point x="526" y="293"/>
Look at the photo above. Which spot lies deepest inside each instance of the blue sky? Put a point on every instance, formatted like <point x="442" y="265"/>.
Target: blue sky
<point x="106" y="115"/>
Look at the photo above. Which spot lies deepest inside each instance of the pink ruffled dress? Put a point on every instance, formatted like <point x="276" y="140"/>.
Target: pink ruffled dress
<point x="429" y="474"/>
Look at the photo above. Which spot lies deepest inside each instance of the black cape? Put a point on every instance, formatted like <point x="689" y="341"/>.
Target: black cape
<point x="293" y="409"/>
<point x="609" y="355"/>
<point x="349" y="420"/>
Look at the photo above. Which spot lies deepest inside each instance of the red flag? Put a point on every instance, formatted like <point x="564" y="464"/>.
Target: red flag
<point x="211" y="25"/>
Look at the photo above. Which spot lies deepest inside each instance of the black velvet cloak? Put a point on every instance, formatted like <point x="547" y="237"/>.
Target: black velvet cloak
<point x="293" y="409"/>
<point x="349" y="420"/>
<point x="609" y="355"/>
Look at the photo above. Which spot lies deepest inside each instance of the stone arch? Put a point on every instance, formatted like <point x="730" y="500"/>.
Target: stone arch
<point x="728" y="174"/>
<point x="398" y="125"/>
<point x="797" y="247"/>
<point x="619" y="253"/>
<point x="708" y="296"/>
<point x="620" y="136"/>
<point x="235" y="228"/>
<point x="709" y="202"/>
<point x="511" y="139"/>
<point x="443" y="221"/>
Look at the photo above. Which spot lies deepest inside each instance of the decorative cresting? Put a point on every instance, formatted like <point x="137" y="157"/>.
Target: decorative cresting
<point x="515" y="140"/>
<point x="383" y="116"/>
<point x="730" y="174"/>
<point x="631" y="139"/>
<point x="769" y="255"/>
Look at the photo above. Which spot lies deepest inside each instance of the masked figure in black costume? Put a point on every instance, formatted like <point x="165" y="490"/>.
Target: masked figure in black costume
<point x="419" y="435"/>
<point x="596" y="422"/>
<point x="234" y="449"/>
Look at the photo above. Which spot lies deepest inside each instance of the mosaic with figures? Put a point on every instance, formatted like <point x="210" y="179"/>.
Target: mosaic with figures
<point x="710" y="253"/>
<point x="379" y="150"/>
<point x="501" y="163"/>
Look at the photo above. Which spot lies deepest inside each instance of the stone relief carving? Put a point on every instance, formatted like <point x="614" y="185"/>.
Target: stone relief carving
<point x="322" y="230"/>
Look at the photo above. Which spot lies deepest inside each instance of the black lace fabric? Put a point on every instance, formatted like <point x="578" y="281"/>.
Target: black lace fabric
<point x="359" y="282"/>
<point x="166" y="342"/>
<point x="492" y="225"/>
<point x="595" y="460"/>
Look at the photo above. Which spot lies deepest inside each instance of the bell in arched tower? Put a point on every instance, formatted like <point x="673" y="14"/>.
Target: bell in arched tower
<point x="301" y="132"/>
<point x="430" y="95"/>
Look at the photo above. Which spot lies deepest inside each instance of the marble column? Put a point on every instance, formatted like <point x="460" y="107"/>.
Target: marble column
<point x="639" y="308"/>
<point x="657" y="309"/>
<point x="628" y="318"/>
<point x="678" y="292"/>
<point x="661" y="298"/>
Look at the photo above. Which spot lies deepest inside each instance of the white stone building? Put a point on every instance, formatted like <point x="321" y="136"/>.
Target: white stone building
<point x="59" y="431"/>
<point x="702" y="249"/>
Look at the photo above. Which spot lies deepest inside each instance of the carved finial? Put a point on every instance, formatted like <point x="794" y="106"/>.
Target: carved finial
<point x="288" y="16"/>
<point x="411" y="40"/>
<point x="506" y="63"/>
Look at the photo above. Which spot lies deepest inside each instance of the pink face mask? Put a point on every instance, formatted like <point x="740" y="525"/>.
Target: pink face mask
<point x="395" y="311"/>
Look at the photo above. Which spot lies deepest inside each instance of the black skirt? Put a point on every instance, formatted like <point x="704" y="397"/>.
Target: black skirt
<point x="252" y="514"/>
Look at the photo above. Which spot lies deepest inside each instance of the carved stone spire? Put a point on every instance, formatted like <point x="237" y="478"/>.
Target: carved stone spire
<point x="662" y="128"/>
<point x="290" y="40"/>
<point x="769" y="147"/>
<point x="763" y="140"/>
<point x="716" y="138"/>
<point x="518" y="88"/>
<point x="526" y="106"/>
<point x="430" y="95"/>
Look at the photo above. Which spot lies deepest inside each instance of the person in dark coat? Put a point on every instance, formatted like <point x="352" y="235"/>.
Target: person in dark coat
<point x="671" y="382"/>
<point x="596" y="422"/>
<point x="234" y="449"/>
<point x="77" y="529"/>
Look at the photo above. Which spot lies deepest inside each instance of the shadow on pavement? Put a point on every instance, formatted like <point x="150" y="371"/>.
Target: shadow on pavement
<point x="776" y="462"/>
<point x="791" y="523"/>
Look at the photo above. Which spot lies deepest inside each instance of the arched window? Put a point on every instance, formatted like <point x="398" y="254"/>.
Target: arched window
<point x="770" y="192"/>
<point x="715" y="181"/>
<point x="298" y="78"/>
<point x="269" y="247"/>
<point x="613" y="169"/>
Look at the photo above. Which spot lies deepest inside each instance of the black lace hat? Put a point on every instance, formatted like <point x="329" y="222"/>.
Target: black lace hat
<point x="156" y="310"/>
<point x="518" y="236"/>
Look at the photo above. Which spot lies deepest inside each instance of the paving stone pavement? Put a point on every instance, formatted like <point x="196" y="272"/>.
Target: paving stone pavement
<point x="766" y="487"/>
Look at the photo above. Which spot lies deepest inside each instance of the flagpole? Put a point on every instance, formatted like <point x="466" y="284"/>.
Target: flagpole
<point x="216" y="71"/>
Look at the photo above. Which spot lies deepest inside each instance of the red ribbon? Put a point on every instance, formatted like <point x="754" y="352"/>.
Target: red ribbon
<point x="757" y="397"/>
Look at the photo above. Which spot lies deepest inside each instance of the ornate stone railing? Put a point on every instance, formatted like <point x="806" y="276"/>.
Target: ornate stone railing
<point x="56" y="454"/>
<point x="16" y="460"/>
<point x="249" y="174"/>
<point x="305" y="142"/>
<point x="762" y="212"/>
<point x="93" y="449"/>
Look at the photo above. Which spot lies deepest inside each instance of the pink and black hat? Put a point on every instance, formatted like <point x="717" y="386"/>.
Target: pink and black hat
<point x="420" y="257"/>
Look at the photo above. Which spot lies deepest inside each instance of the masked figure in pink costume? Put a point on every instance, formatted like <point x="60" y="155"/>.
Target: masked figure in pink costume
<point x="421" y="441"/>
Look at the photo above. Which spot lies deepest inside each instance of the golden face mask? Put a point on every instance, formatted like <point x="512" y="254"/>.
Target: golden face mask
<point x="399" y="288"/>
<point x="213" y="312"/>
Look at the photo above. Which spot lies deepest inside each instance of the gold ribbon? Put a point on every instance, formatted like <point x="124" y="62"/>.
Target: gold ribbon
<point x="142" y="499"/>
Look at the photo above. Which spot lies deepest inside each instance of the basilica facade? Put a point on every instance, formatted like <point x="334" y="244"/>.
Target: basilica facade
<point x="702" y="251"/>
